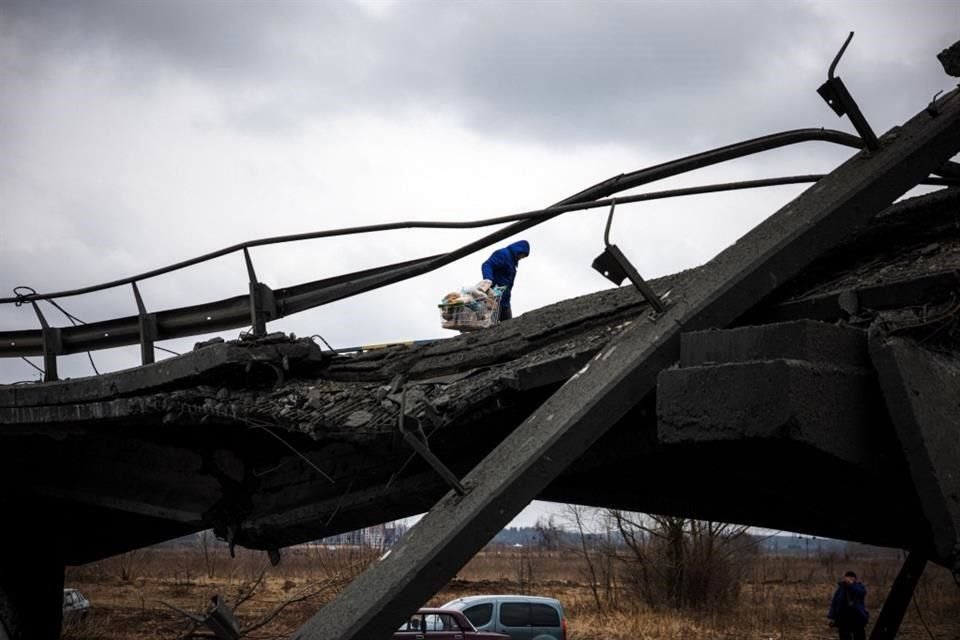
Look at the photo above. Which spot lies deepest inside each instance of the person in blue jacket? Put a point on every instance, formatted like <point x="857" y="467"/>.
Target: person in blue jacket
<point x="501" y="269"/>
<point x="848" y="611"/>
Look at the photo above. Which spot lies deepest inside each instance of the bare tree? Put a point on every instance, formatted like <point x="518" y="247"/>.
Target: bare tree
<point x="598" y="551"/>
<point x="207" y="543"/>
<point x="549" y="534"/>
<point x="681" y="562"/>
<point x="128" y="566"/>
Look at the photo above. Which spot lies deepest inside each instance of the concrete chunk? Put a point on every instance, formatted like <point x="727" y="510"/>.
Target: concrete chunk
<point x="770" y="400"/>
<point x="801" y="340"/>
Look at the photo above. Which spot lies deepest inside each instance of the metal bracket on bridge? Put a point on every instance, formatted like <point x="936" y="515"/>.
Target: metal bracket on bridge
<point x="147" y="323"/>
<point x="263" y="305"/>
<point x="52" y="345"/>
<point x="836" y="95"/>
<point x="615" y="266"/>
<point x="420" y="446"/>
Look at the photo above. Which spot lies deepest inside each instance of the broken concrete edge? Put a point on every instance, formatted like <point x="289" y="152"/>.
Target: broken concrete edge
<point x="844" y="303"/>
<point x="281" y="529"/>
<point x="950" y="60"/>
<point x="806" y="340"/>
<point x="178" y="370"/>
<point x="895" y="232"/>
<point x="938" y="206"/>
<point x="313" y="406"/>
<point x="921" y="389"/>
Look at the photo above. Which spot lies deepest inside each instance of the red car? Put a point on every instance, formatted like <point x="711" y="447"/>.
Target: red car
<point x="442" y="624"/>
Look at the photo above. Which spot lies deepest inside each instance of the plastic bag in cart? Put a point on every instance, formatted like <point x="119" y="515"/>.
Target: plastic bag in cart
<point x="471" y="308"/>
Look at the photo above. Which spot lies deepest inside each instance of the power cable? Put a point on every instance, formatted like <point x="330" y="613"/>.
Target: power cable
<point x="38" y="368"/>
<point x="24" y="297"/>
<point x="74" y="320"/>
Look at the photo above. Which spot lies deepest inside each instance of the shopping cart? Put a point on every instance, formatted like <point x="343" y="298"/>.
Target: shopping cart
<point x="470" y="312"/>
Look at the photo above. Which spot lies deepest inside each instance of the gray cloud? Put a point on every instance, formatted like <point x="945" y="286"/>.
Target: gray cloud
<point x="555" y="73"/>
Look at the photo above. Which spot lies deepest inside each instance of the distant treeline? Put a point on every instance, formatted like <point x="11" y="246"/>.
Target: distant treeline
<point x="777" y="544"/>
<point x="535" y="538"/>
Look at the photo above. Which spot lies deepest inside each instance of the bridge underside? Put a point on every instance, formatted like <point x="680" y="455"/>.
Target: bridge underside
<point x="275" y="442"/>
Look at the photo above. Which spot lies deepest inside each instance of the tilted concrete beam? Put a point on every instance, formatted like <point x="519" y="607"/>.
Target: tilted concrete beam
<point x="625" y="371"/>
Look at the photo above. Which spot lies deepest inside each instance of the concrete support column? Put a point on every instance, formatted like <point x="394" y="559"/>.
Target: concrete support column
<point x="921" y="388"/>
<point x="888" y="623"/>
<point x="31" y="589"/>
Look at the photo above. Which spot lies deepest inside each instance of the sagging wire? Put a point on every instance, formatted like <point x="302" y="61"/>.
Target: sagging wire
<point x="37" y="367"/>
<point x="21" y="298"/>
<point x="945" y="319"/>
<point x="336" y="509"/>
<point x="916" y="605"/>
<point x="266" y="472"/>
<point x="414" y="454"/>
<point x="22" y="292"/>
<point x="396" y="474"/>
<point x="72" y="318"/>
<point x="256" y="424"/>
<point x="265" y="426"/>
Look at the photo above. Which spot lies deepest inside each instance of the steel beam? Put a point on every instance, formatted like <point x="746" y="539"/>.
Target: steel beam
<point x="501" y="485"/>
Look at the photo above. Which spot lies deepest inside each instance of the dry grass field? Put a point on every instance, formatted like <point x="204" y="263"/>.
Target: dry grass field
<point x="780" y="597"/>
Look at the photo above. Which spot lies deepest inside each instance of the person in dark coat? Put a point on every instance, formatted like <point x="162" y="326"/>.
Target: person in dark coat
<point x="501" y="269"/>
<point x="848" y="611"/>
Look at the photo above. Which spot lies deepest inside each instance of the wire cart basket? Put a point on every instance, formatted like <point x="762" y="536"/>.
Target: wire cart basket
<point x="469" y="311"/>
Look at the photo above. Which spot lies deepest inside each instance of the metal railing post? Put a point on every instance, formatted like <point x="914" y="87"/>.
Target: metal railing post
<point x="52" y="345"/>
<point x="147" y="323"/>
<point x="263" y="305"/>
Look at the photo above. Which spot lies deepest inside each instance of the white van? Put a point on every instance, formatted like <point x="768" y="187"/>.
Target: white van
<point x="520" y="617"/>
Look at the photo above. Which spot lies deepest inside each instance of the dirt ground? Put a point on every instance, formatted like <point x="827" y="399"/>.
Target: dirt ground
<point x="136" y="596"/>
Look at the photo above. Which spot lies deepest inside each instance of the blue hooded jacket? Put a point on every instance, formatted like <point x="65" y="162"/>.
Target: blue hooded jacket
<point x="501" y="267"/>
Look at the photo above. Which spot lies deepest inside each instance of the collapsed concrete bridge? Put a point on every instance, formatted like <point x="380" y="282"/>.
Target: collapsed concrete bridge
<point x="822" y="348"/>
<point x="275" y="441"/>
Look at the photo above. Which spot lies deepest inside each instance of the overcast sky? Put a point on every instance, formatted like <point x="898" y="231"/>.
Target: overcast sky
<point x="138" y="134"/>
